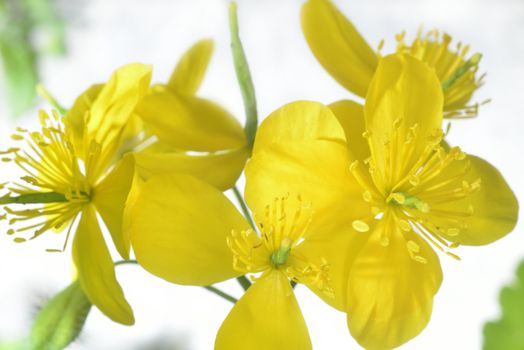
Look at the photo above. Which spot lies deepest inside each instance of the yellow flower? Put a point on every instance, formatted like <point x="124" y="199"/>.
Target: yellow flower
<point x="187" y="232"/>
<point x="192" y="135"/>
<point x="384" y="198"/>
<point x="345" y="54"/>
<point x="70" y="169"/>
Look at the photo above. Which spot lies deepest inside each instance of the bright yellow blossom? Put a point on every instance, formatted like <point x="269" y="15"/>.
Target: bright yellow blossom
<point x="385" y="188"/>
<point x="345" y="54"/>
<point x="192" y="135"/>
<point x="70" y="170"/>
<point x="188" y="232"/>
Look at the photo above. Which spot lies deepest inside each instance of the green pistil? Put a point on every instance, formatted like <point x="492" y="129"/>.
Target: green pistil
<point x="406" y="200"/>
<point x="34" y="198"/>
<point x="472" y="62"/>
<point x="279" y="257"/>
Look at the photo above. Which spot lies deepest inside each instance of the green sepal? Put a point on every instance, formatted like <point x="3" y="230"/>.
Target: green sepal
<point x="61" y="320"/>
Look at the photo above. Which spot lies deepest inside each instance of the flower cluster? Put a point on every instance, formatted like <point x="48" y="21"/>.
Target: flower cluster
<point x="353" y="201"/>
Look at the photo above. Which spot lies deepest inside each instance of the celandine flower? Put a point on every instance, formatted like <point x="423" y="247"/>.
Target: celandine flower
<point x="383" y="178"/>
<point x="188" y="232"/>
<point x="71" y="172"/>
<point x="345" y="54"/>
<point x="191" y="134"/>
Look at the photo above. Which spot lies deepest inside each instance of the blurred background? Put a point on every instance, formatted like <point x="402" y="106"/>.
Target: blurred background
<point x="77" y="43"/>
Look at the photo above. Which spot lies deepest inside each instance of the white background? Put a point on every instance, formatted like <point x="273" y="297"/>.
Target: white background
<point x="106" y="34"/>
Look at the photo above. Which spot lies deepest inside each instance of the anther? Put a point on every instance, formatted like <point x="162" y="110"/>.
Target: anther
<point x="360" y="226"/>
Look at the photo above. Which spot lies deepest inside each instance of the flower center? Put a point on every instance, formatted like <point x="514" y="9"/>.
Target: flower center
<point x="405" y="200"/>
<point x="276" y="247"/>
<point x="456" y="72"/>
<point x="280" y="256"/>
<point x="54" y="178"/>
<point x="415" y="186"/>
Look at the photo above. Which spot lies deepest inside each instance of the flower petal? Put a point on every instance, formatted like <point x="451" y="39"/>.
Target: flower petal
<point x="299" y="121"/>
<point x="189" y="122"/>
<point x="318" y="171"/>
<point x="391" y="288"/>
<point x="266" y="317"/>
<point x="351" y="116"/>
<point x="494" y="207"/>
<point x="218" y="169"/>
<point x="339" y="250"/>
<point x="338" y="46"/>
<point x="190" y="70"/>
<point x="96" y="271"/>
<point x="109" y="199"/>
<point x="179" y="227"/>
<point x="116" y="102"/>
<point x="75" y="117"/>
<point x="403" y="93"/>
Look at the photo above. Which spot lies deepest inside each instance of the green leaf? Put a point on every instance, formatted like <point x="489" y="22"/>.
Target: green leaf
<point x="243" y="77"/>
<point x="20" y="344"/>
<point x="508" y="331"/>
<point x="48" y="24"/>
<point x="61" y="320"/>
<point x="20" y="72"/>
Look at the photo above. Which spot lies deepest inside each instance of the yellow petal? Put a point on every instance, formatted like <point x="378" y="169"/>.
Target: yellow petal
<point x="179" y="227"/>
<point x="218" y="169"/>
<point x="338" y="46"/>
<point x="266" y="317"/>
<point x="318" y="171"/>
<point x="116" y="102"/>
<point x="351" y="116"/>
<point x="109" y="199"/>
<point x="96" y="271"/>
<point x="299" y="121"/>
<point x="190" y="70"/>
<point x="75" y="117"/>
<point x="486" y="215"/>
<point x="339" y="250"/>
<point x="189" y="122"/>
<point x="391" y="287"/>
<point x="404" y="93"/>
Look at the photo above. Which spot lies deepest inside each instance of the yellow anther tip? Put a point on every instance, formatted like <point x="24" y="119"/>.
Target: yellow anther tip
<point x="360" y="226"/>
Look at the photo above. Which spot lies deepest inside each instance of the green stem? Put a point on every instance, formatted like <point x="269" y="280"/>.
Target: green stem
<point x="123" y="262"/>
<point x="221" y="294"/>
<point x="209" y="288"/>
<point x="243" y="207"/>
<point x="34" y="198"/>
<point x="243" y="76"/>
<point x="242" y="280"/>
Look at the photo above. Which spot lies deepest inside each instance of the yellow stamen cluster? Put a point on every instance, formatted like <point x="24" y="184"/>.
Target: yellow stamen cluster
<point x="406" y="191"/>
<point x="457" y="73"/>
<point x="52" y="168"/>
<point x="276" y="246"/>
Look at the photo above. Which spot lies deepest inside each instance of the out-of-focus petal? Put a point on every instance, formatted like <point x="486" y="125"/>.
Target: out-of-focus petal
<point x="189" y="122"/>
<point x="190" y="70"/>
<point x="338" y="46"/>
